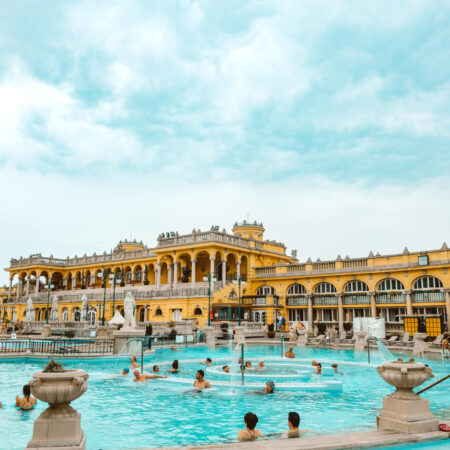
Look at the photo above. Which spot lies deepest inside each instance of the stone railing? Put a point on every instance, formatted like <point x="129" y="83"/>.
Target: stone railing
<point x="356" y="299"/>
<point x="325" y="300"/>
<point x="251" y="329"/>
<point x="297" y="301"/>
<point x="390" y="298"/>
<point x="424" y="297"/>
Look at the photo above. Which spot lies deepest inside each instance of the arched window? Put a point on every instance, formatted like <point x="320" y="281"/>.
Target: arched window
<point x="65" y="315"/>
<point x="232" y="294"/>
<point x="197" y="312"/>
<point x="390" y="284"/>
<point x="142" y="315"/>
<point x="128" y="277"/>
<point x="158" y="312"/>
<point x="265" y="290"/>
<point x="92" y="316"/>
<point x="427" y="282"/>
<point x="139" y="275"/>
<point x="356" y="286"/>
<point x="76" y="315"/>
<point x="324" y="288"/>
<point x="296" y="289"/>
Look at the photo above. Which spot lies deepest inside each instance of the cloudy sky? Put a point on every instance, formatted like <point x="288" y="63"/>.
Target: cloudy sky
<point x="327" y="121"/>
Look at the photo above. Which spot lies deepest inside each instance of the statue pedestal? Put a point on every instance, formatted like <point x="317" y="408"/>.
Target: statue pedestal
<point x="210" y="337"/>
<point x="121" y="337"/>
<point x="239" y="335"/>
<point x="419" y="342"/>
<point x="102" y="332"/>
<point x="360" y="340"/>
<point x="407" y="416"/>
<point x="45" y="333"/>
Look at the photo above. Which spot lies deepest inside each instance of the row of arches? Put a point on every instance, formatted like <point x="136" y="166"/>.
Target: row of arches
<point x="424" y="283"/>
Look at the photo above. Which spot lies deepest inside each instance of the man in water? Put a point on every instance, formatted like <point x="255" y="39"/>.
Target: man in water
<point x="144" y="377"/>
<point x="200" y="382"/>
<point x="270" y="387"/>
<point x="174" y="349"/>
<point x="444" y="346"/>
<point x="207" y="362"/>
<point x="260" y="367"/>
<point x="125" y="371"/>
<point x="335" y="367"/>
<point x="134" y="363"/>
<point x="293" y="423"/>
<point x="314" y="363"/>
<point x="155" y="368"/>
<point x="248" y="365"/>
<point x="226" y="369"/>
<point x="290" y="353"/>
<point x="250" y="433"/>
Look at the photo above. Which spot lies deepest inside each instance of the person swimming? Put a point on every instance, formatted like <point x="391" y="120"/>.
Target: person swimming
<point x="226" y="369"/>
<point x="319" y="368"/>
<point x="248" y="365"/>
<point x="250" y="433"/>
<point x="270" y="387"/>
<point x="155" y="368"/>
<point x="207" y="362"/>
<point x="335" y="367"/>
<point x="125" y="371"/>
<point x="293" y="423"/>
<point x="260" y="367"/>
<point x="200" y="382"/>
<point x="27" y="402"/>
<point x="144" y="377"/>
<point x="174" y="368"/>
<point x="290" y="353"/>
<point x="134" y="363"/>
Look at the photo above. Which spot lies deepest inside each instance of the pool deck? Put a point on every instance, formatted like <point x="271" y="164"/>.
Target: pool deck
<point x="363" y="439"/>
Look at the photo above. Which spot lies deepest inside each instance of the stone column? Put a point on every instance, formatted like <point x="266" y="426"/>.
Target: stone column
<point x="10" y="289"/>
<point x="447" y="307"/>
<point x="27" y="290"/>
<point x="158" y="274"/>
<point x="409" y="308"/>
<point x="74" y="281"/>
<point x="210" y="337"/>
<point x="238" y="269"/>
<point x="340" y="312"/>
<point x="373" y="305"/>
<point x="224" y="272"/>
<point x="193" y="270"/>
<point x="211" y="265"/>
<point x="19" y="288"/>
<point x="175" y="273"/>
<point x="37" y="284"/>
<point x="169" y="274"/>
<point x="65" y="279"/>
<point x="310" y="315"/>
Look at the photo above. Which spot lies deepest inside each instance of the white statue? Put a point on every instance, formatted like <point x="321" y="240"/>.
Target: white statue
<point x="30" y="310"/>
<point x="55" y="314"/>
<point x="83" y="307"/>
<point x="130" y="313"/>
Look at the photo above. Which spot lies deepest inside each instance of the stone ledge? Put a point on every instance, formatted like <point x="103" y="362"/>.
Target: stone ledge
<point x="364" y="439"/>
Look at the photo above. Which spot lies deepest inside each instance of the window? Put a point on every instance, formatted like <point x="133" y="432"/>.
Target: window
<point x="265" y="290"/>
<point x="392" y="314"/>
<point x="232" y="295"/>
<point x="427" y="282"/>
<point x="296" y="315"/>
<point x="128" y="277"/>
<point x="197" y="312"/>
<point x="324" y="288"/>
<point x="390" y="284"/>
<point x="259" y="316"/>
<point x="65" y="315"/>
<point x="142" y="315"/>
<point x="296" y="289"/>
<point x="139" y="275"/>
<point x="92" y="316"/>
<point x="76" y="315"/>
<point x="356" y="286"/>
<point x="158" y="312"/>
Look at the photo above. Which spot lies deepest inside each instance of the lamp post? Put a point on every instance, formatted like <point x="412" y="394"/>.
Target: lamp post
<point x="50" y="285"/>
<point x="114" y="280"/>
<point x="210" y="278"/>
<point x="104" y="275"/>
<point x="239" y="282"/>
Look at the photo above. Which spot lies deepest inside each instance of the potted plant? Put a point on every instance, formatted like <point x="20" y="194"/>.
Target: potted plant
<point x="271" y="331"/>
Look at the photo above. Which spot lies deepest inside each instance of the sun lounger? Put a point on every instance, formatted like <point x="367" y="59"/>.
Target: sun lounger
<point x="389" y="341"/>
<point x="406" y="340"/>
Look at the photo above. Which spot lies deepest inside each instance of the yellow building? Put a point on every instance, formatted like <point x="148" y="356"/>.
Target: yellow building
<point x="170" y="282"/>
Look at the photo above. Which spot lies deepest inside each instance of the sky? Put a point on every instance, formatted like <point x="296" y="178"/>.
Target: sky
<point x="327" y="121"/>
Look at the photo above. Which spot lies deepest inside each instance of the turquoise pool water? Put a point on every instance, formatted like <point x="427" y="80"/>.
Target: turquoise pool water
<point x="118" y="413"/>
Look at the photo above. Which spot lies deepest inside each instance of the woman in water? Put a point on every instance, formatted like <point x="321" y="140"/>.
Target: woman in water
<point x="27" y="401"/>
<point x="174" y="368"/>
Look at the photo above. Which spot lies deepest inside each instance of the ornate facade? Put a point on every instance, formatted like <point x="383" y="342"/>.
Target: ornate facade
<point x="171" y="282"/>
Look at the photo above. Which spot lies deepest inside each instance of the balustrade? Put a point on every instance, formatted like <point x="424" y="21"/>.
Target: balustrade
<point x="390" y="298"/>
<point x="424" y="297"/>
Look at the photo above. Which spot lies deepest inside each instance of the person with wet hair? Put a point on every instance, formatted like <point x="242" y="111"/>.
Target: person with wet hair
<point x="27" y="402"/>
<point x="226" y="369"/>
<point x="200" y="382"/>
<point x="250" y="433"/>
<point x="134" y="363"/>
<point x="142" y="377"/>
<point x="174" y="368"/>
<point x="290" y="353"/>
<point x="319" y="368"/>
<point x="155" y="368"/>
<point x="270" y="387"/>
<point x="207" y="362"/>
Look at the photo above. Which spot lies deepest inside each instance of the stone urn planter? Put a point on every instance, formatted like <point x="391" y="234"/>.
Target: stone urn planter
<point x="404" y="376"/>
<point x="404" y="410"/>
<point x="59" y="425"/>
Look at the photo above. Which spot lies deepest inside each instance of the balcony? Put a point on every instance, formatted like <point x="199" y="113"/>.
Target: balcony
<point x="381" y="299"/>
<point x="325" y="300"/>
<point x="297" y="301"/>
<point x="356" y="299"/>
<point x="425" y="297"/>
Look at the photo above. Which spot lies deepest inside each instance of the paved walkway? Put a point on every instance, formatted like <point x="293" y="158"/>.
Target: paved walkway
<point x="364" y="439"/>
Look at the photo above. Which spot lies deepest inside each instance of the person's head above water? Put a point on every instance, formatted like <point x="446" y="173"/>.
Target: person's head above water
<point x="208" y="360"/>
<point x="200" y="374"/>
<point x="261" y="364"/>
<point x="125" y="371"/>
<point x="26" y="390"/>
<point x="226" y="369"/>
<point x="136" y="372"/>
<point x="270" y="386"/>
<point x="250" y="420"/>
<point x="334" y="366"/>
<point x="133" y="359"/>
<point x="314" y="362"/>
<point x="248" y="364"/>
<point x="293" y="420"/>
<point x="175" y="364"/>
<point x="155" y="368"/>
<point x="291" y="349"/>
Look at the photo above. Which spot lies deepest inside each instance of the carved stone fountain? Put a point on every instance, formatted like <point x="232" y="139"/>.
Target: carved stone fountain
<point x="404" y="410"/>
<point x="59" y="426"/>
